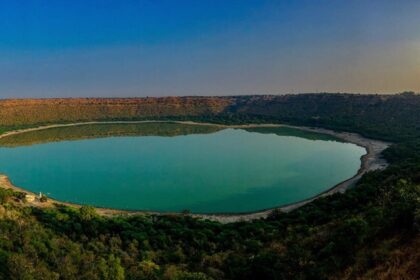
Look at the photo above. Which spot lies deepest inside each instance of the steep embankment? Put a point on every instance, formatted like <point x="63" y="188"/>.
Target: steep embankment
<point x="27" y="112"/>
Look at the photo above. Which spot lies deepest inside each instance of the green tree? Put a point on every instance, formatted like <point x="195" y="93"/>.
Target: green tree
<point x="87" y="213"/>
<point x="115" y="270"/>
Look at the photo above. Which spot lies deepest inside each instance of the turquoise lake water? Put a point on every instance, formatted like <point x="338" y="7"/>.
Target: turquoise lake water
<point x="178" y="167"/>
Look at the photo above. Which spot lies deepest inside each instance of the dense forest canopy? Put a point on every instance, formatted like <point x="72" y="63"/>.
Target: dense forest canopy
<point x="371" y="231"/>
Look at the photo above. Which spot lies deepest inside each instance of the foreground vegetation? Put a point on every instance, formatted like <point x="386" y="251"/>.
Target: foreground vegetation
<point x="371" y="231"/>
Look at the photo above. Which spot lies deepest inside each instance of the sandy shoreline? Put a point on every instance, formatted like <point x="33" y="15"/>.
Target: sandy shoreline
<point x="372" y="160"/>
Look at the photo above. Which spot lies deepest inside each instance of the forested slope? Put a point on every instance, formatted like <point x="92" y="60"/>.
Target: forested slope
<point x="15" y="112"/>
<point x="374" y="115"/>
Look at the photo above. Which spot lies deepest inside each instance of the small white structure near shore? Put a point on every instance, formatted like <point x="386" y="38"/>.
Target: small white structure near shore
<point x="30" y="197"/>
<point x="34" y="198"/>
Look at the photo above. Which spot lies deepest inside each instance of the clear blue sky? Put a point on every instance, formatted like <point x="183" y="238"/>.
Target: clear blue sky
<point x="156" y="48"/>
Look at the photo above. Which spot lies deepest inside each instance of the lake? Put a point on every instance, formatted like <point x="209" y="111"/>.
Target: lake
<point x="176" y="167"/>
